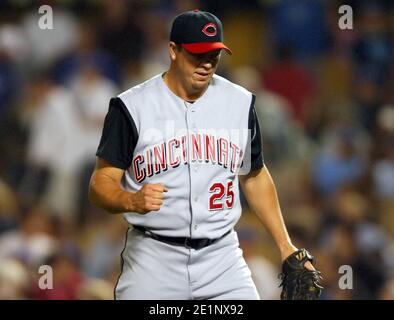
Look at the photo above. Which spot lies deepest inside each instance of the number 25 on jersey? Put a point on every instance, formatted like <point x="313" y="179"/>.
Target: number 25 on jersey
<point x="222" y="196"/>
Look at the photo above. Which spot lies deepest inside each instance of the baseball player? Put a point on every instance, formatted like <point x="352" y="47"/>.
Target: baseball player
<point x="171" y="156"/>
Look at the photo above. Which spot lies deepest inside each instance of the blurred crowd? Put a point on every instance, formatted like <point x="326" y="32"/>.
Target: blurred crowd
<point x="325" y="101"/>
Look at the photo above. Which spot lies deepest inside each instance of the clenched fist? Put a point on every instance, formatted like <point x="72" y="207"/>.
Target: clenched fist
<point x="149" y="198"/>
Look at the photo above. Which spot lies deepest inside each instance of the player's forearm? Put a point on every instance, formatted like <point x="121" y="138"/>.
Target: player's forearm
<point x="261" y="194"/>
<point x="109" y="196"/>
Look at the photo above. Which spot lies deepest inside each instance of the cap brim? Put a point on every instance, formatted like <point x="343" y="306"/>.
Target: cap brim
<point x="204" y="47"/>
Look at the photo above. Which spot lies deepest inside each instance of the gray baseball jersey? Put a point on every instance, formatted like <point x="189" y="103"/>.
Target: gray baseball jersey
<point x="195" y="149"/>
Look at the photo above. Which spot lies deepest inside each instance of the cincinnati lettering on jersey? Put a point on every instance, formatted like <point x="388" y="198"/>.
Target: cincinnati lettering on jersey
<point x="204" y="148"/>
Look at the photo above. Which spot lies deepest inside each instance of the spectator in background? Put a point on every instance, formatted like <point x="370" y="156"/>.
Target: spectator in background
<point x="54" y="147"/>
<point x="354" y="239"/>
<point x="274" y="114"/>
<point x="48" y="45"/>
<point x="382" y="169"/>
<point x="264" y="273"/>
<point x="289" y="79"/>
<point x="67" y="280"/>
<point x="14" y="53"/>
<point x="156" y="26"/>
<point x="92" y="92"/>
<point x="383" y="172"/>
<point x="120" y="30"/>
<point x="33" y="241"/>
<point x="301" y="25"/>
<point x="329" y="267"/>
<point x="86" y="52"/>
<point x="368" y="99"/>
<point x="373" y="50"/>
<point x="338" y="163"/>
<point x="339" y="247"/>
<point x="373" y="59"/>
<point x="151" y="58"/>
<point x="103" y="249"/>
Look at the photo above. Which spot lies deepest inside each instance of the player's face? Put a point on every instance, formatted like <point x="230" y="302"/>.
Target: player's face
<point x="197" y="69"/>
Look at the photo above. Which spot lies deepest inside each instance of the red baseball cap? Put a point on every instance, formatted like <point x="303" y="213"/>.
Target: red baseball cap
<point x="198" y="32"/>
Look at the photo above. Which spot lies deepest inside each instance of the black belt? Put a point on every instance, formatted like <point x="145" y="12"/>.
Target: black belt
<point x="197" y="243"/>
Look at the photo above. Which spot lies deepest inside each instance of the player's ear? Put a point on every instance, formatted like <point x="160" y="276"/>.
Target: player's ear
<point x="173" y="50"/>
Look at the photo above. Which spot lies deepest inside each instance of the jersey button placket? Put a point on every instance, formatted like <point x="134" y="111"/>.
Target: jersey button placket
<point x="191" y="124"/>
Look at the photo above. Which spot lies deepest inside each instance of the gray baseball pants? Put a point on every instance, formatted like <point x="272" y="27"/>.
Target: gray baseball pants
<point x="155" y="270"/>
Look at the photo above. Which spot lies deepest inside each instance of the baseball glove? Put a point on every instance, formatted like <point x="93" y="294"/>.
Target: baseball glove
<point x="299" y="283"/>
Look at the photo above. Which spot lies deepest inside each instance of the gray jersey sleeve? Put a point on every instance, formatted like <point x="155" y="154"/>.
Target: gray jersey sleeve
<point x="119" y="136"/>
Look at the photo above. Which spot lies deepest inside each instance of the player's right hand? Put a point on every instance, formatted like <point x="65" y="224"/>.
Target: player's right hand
<point x="149" y="198"/>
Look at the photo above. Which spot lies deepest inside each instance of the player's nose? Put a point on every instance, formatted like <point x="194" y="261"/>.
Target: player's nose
<point x="207" y="64"/>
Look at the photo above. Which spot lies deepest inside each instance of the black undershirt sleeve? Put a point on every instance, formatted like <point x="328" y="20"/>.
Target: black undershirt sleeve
<point x="119" y="136"/>
<point x="256" y="156"/>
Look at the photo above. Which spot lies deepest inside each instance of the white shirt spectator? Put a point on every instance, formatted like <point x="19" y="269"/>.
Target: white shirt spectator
<point x="92" y="93"/>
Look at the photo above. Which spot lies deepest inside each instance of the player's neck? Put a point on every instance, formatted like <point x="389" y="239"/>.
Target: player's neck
<point x="180" y="89"/>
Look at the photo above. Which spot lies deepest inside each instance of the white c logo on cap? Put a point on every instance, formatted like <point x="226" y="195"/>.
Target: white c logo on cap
<point x="210" y="29"/>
